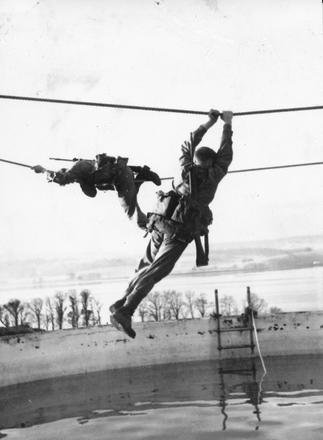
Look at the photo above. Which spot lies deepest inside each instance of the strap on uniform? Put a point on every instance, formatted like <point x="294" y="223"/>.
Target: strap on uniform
<point x="202" y="254"/>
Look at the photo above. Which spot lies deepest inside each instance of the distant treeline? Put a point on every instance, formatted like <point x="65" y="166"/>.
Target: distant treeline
<point x="73" y="310"/>
<point x="62" y="310"/>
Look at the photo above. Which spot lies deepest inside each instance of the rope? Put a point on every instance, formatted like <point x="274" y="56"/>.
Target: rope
<point x="276" y="167"/>
<point x="16" y="163"/>
<point x="100" y="104"/>
<point x="257" y="343"/>
<point x="279" y="110"/>
<point x="171" y="178"/>
<point x="262" y="363"/>
<point x="265" y="168"/>
<point x="155" y="109"/>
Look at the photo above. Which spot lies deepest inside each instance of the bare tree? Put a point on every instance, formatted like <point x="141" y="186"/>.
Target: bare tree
<point x="166" y="313"/>
<point x="201" y="304"/>
<point x="46" y="321"/>
<point x="96" y="307"/>
<point x="36" y="306"/>
<point x="49" y="314"/>
<point x="74" y="313"/>
<point x="14" y="307"/>
<point x="228" y="306"/>
<point x="60" y="308"/>
<point x="258" y="304"/>
<point x="4" y="318"/>
<point x="143" y="310"/>
<point x="175" y="301"/>
<point x="190" y="301"/>
<point x="86" y="312"/>
<point x="154" y="304"/>
<point x="24" y="314"/>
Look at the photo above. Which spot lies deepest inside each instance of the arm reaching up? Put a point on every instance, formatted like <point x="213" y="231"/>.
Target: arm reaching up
<point x="224" y="154"/>
<point x="189" y="146"/>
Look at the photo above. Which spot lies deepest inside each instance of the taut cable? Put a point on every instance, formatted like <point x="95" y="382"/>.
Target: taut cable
<point x="154" y="109"/>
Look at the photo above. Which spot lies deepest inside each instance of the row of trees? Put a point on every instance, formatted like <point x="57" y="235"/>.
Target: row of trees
<point x="53" y="313"/>
<point x="171" y="304"/>
<point x="83" y="310"/>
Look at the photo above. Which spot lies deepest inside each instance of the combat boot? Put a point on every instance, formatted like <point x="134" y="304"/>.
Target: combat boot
<point x="122" y="321"/>
<point x="147" y="175"/>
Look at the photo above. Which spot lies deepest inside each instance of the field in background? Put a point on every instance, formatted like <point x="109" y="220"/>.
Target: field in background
<point x="287" y="273"/>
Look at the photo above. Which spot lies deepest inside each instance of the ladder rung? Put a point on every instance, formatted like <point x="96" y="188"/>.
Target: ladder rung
<point x="228" y="347"/>
<point x="235" y="329"/>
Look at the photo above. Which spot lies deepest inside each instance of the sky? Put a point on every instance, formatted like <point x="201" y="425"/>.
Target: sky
<point x="193" y="54"/>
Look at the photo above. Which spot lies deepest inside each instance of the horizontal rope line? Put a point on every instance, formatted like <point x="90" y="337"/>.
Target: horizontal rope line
<point x="15" y="163"/>
<point x="277" y="167"/>
<point x="100" y="104"/>
<point x="156" y="109"/>
<point x="233" y="171"/>
<point x="246" y="170"/>
<point x="265" y="168"/>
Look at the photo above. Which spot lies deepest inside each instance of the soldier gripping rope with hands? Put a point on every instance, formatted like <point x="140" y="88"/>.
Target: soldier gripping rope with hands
<point x="181" y="216"/>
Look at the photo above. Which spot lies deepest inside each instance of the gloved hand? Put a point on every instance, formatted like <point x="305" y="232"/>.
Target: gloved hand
<point x="214" y="114"/>
<point x="39" y="169"/>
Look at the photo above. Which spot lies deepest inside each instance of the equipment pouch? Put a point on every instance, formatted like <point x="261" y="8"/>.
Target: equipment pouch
<point x="166" y="203"/>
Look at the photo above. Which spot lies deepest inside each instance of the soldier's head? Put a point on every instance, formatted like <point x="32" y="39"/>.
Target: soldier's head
<point x="204" y="157"/>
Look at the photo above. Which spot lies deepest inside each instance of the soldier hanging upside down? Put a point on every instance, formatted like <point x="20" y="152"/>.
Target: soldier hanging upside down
<point x="181" y="216"/>
<point x="107" y="173"/>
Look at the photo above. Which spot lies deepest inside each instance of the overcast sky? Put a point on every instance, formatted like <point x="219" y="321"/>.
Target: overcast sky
<point x="195" y="54"/>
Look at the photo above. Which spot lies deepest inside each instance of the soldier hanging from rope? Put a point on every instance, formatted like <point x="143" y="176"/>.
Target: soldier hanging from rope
<point x="107" y="173"/>
<point x="181" y="216"/>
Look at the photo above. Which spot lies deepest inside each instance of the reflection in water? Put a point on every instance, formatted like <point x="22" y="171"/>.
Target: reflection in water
<point x="252" y="389"/>
<point x="194" y="400"/>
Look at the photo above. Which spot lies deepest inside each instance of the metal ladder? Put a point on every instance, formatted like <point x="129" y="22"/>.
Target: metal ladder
<point x="249" y="327"/>
<point x="251" y="371"/>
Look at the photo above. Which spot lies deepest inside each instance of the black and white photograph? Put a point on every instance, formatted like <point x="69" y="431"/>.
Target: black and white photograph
<point x="161" y="218"/>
